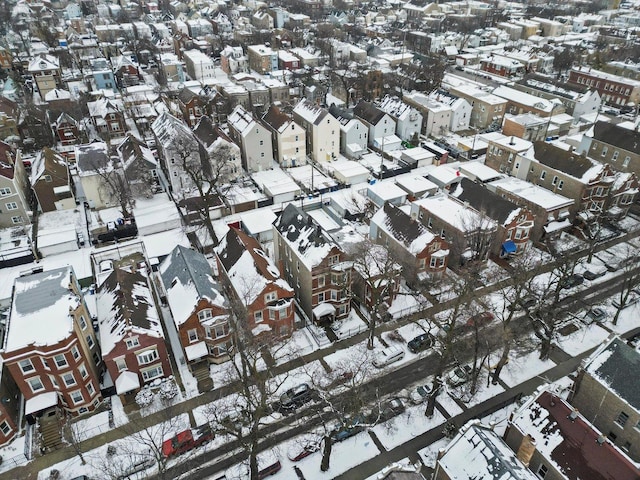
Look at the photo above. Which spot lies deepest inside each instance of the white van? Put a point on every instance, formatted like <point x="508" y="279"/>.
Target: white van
<point x="387" y="356"/>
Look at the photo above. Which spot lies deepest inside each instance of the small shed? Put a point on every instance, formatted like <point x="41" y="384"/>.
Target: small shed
<point x="417" y="157"/>
<point x="347" y="172"/>
<point x="258" y="224"/>
<point x="416" y="186"/>
<point x="479" y="172"/>
<point x="383" y="192"/>
<point x="55" y="240"/>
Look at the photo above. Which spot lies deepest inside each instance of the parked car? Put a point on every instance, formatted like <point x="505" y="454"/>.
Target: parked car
<point x="596" y="314"/>
<point x="388" y="409"/>
<point x="594" y="272"/>
<point x="479" y="320"/>
<point x="348" y="428"/>
<point x="524" y="303"/>
<point x="186" y="440"/>
<point x="268" y="463"/>
<point x="420" y="343"/>
<point x="299" y="451"/>
<point x="388" y="356"/>
<point x="459" y="375"/>
<point x="294" y="398"/>
<point x="571" y="281"/>
<point x="421" y="393"/>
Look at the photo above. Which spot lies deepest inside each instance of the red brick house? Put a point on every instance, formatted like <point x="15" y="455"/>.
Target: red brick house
<point x="314" y="265"/>
<point x="394" y="227"/>
<point x="66" y="130"/>
<point x="107" y="116"/>
<point x="9" y="407"/>
<point x="256" y="282"/>
<point x="193" y="105"/>
<point x="50" y="347"/>
<point x="51" y="181"/>
<point x="131" y="336"/>
<point x="199" y="309"/>
<point x="514" y="223"/>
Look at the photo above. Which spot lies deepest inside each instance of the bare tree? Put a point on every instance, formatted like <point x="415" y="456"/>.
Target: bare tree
<point x="376" y="280"/>
<point x="242" y="416"/>
<point x="630" y="282"/>
<point x="114" y="185"/>
<point x="210" y="177"/>
<point x="75" y="435"/>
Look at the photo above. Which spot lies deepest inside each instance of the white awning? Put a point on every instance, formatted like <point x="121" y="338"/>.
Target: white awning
<point x="324" y="309"/>
<point x="40" y="402"/>
<point x="196" y="351"/>
<point x="555" y="226"/>
<point x="126" y="382"/>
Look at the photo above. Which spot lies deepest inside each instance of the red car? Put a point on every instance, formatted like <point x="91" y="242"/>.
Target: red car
<point x="186" y="440"/>
<point x="298" y="452"/>
<point x="479" y="320"/>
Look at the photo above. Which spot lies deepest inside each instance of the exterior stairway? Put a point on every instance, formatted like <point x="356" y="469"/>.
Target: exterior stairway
<point x="50" y="433"/>
<point x="201" y="373"/>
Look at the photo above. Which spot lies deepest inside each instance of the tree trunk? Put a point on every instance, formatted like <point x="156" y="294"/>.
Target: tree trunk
<point x="501" y="363"/>
<point x="326" y="453"/>
<point x="616" y="316"/>
<point x="545" y="348"/>
<point x="253" y="465"/>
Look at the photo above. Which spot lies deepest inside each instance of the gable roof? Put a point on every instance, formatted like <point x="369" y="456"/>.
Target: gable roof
<point x="368" y="112"/>
<point x="47" y="160"/>
<point x="610" y="365"/>
<point x="485" y="201"/>
<point x="406" y="230"/>
<point x="276" y="118"/>
<point x="310" y="112"/>
<point x="125" y="305"/>
<point x="577" y="166"/>
<point x="92" y="156"/>
<point x="304" y="236"/>
<point x="249" y="268"/>
<point x="617" y="136"/>
<point x="571" y="445"/>
<point x="187" y="278"/>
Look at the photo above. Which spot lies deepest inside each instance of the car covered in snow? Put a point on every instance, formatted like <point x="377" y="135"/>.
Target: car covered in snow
<point x="459" y="375"/>
<point x="387" y="356"/>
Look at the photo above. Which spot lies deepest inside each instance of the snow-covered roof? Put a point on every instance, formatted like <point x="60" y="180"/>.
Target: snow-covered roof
<point x="40" y="402"/>
<point x="167" y="128"/>
<point x="399" y="225"/>
<point x="241" y="120"/>
<point x="310" y="112"/>
<point x="524" y="98"/>
<point x="40" y="312"/>
<point x="196" y="350"/>
<point x="304" y="236"/>
<point x="478" y="453"/>
<point x="455" y="213"/>
<point x="126" y="306"/>
<point x="479" y="170"/>
<point x="569" y="443"/>
<point x="93" y="157"/>
<point x="248" y="267"/>
<point x="126" y="382"/>
<point x="532" y="193"/>
<point x="187" y="278"/>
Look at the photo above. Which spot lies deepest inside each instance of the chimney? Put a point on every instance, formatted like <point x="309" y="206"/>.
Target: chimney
<point x="512" y="141"/>
<point x="526" y="450"/>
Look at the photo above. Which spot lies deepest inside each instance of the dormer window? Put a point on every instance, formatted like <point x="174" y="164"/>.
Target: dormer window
<point x="132" y="342"/>
<point x="271" y="297"/>
<point x="205" y="315"/>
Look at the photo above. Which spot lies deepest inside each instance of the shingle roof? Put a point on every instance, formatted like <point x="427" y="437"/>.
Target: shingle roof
<point x="484" y="200"/>
<point x="562" y="160"/>
<point x="368" y="112"/>
<point x="617" y="136"/>
<point x="275" y="118"/>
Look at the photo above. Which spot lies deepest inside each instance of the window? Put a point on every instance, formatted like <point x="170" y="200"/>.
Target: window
<point x="5" y="191"/>
<point x="429" y="222"/>
<point x="612" y="436"/>
<point x="622" y="419"/>
<point x="334" y="259"/>
<point x="83" y="371"/>
<point x="26" y="366"/>
<point x="271" y="297"/>
<point x="90" y="341"/>
<point x="83" y="322"/>
<point x="46" y="364"/>
<point x="257" y="316"/>
<point x="604" y="151"/>
<point x="626" y="161"/>
<point x="36" y="384"/>
<point x="75" y="352"/>
<point x="68" y="379"/>
<point x="132" y="342"/>
<point x="61" y="361"/>
<point x="76" y="397"/>
<point x="560" y="184"/>
<point x="432" y="262"/>
<point x="16" y="219"/>
<point x="542" y="471"/>
<point x="5" y="428"/>
<point x="147" y="356"/>
<point x="321" y="297"/>
<point x="153" y="372"/>
<point x="11" y="206"/>
<point x="334" y="294"/>
<point x="261" y="154"/>
<point x="543" y="174"/>
<point x="121" y="364"/>
<point x="218" y="331"/>
<point x="193" y="335"/>
<point x="272" y="314"/>
<point x="615" y="155"/>
<point x="261" y="142"/>
<point x="47" y="178"/>
<point x="321" y="281"/>
<point x="443" y="234"/>
<point x="91" y="389"/>
<point x="554" y="180"/>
